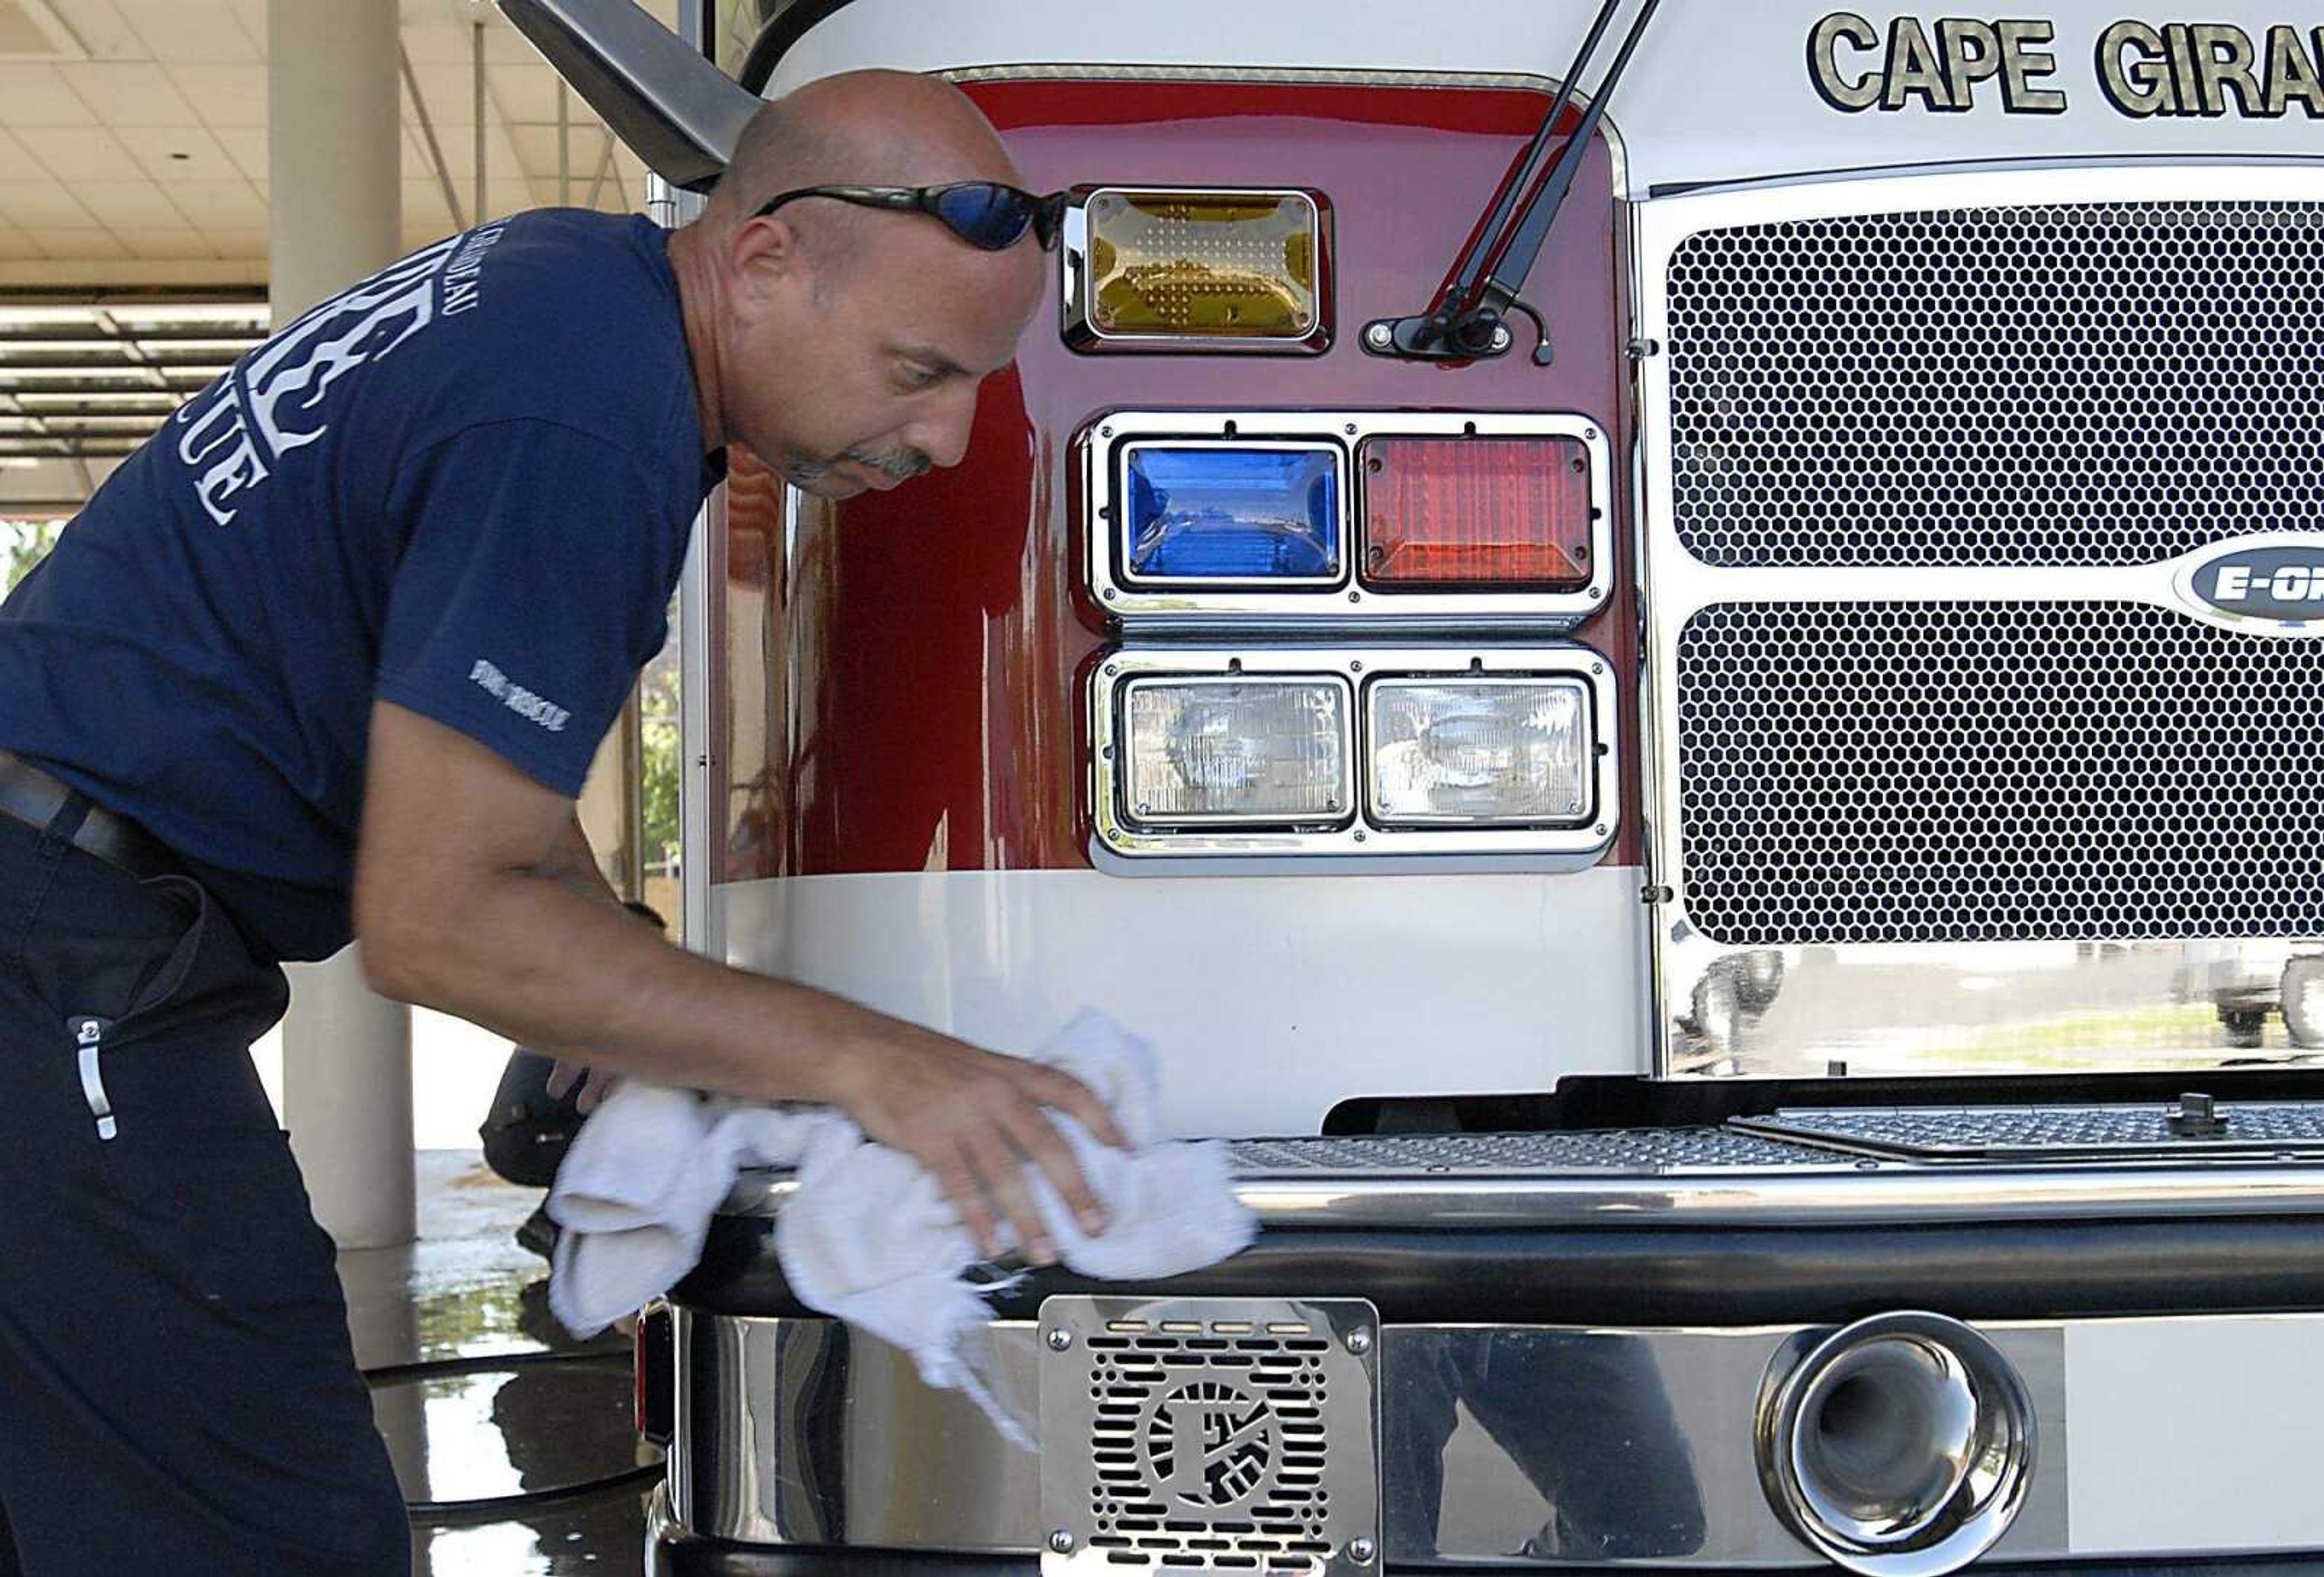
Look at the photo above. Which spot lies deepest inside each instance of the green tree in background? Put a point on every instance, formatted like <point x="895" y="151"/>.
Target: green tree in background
<point x="658" y="717"/>
<point x="23" y="544"/>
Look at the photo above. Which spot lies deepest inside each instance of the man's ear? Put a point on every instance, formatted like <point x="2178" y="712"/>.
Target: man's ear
<point x="761" y="253"/>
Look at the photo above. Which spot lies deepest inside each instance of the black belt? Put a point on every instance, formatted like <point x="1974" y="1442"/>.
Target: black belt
<point x="34" y="798"/>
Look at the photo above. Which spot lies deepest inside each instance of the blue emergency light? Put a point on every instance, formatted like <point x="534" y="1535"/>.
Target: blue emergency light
<point x="1223" y="513"/>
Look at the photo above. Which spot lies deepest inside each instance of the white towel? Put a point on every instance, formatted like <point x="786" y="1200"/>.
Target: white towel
<point x="868" y="1237"/>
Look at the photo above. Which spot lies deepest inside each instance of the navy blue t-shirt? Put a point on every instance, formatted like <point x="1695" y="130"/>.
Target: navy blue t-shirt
<point x="463" y="485"/>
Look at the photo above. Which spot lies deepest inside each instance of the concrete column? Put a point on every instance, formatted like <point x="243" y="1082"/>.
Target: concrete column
<point x="333" y="161"/>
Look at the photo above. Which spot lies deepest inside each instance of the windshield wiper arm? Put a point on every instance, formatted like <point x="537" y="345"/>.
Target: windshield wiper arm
<point x="1466" y="322"/>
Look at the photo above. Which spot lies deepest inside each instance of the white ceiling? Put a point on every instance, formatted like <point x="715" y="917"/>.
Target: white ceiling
<point x="133" y="137"/>
<point x="133" y="157"/>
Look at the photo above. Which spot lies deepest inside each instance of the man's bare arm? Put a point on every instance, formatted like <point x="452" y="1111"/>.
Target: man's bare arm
<point x="574" y="863"/>
<point x="466" y="900"/>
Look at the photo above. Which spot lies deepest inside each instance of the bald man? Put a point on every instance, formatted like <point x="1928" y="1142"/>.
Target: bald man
<point x="329" y="658"/>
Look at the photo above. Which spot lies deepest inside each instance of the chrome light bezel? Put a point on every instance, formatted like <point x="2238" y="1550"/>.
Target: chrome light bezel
<point x="1119" y="845"/>
<point x="1343" y="603"/>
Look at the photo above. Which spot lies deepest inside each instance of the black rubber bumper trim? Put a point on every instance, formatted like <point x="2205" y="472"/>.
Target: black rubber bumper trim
<point x="1995" y="1271"/>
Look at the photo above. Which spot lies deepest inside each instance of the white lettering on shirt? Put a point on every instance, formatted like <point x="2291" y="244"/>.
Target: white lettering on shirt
<point x="275" y="399"/>
<point x="532" y="709"/>
<point x="461" y="287"/>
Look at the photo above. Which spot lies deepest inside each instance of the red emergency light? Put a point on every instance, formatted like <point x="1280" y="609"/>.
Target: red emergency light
<point x="1475" y="512"/>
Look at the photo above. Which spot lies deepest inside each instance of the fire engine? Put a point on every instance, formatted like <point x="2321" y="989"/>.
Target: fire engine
<point x="1669" y="650"/>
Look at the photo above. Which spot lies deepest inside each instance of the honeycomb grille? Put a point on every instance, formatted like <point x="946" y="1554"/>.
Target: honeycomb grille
<point x="2058" y="384"/>
<point x="1974" y="771"/>
<point x="1209" y="1448"/>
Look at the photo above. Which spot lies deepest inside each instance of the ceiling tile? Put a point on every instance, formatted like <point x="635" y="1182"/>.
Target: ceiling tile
<point x="505" y="46"/>
<point x="223" y="94"/>
<point x="236" y="244"/>
<point x="100" y="26"/>
<point x="39" y="96"/>
<point x="437" y="42"/>
<point x="423" y="203"/>
<point x="246" y="147"/>
<point x="128" y="94"/>
<point x="128" y="204"/>
<point x="76" y="245"/>
<point x="178" y="154"/>
<point x="450" y="92"/>
<point x="15" y="246"/>
<point x="76" y="154"/>
<point x="44" y="205"/>
<point x="192" y="30"/>
<point x="232" y="205"/>
<point x="179" y="242"/>
<point x="528" y="93"/>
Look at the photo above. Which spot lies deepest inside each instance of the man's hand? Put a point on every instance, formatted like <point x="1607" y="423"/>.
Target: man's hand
<point x="974" y="1120"/>
<point x="595" y="1084"/>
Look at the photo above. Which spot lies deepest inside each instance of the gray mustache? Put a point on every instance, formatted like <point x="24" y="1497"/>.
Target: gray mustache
<point x="903" y="465"/>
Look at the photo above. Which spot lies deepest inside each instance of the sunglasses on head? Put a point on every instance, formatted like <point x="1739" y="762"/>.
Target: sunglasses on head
<point x="986" y="214"/>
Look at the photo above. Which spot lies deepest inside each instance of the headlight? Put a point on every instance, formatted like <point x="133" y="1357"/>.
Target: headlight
<point x="1280" y="758"/>
<point x="1480" y="751"/>
<point x="1204" y="751"/>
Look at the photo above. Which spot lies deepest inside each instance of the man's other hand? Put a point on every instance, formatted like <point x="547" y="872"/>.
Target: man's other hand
<point x="974" y="1120"/>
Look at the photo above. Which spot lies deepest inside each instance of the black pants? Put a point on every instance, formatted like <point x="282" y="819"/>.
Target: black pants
<point x="177" y="1389"/>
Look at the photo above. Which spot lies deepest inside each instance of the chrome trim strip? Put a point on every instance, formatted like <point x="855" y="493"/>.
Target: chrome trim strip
<point x="1346" y="603"/>
<point x="1361" y="839"/>
<point x="1847" y="1194"/>
<point x="1303" y="77"/>
<point x="698" y="801"/>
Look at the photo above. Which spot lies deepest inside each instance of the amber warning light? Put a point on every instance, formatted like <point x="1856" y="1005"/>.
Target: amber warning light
<point x="1475" y="512"/>
<point x="1234" y="268"/>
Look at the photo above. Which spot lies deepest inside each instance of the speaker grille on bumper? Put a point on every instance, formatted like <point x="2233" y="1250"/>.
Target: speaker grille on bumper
<point x="2058" y="384"/>
<point x="1970" y="772"/>
<point x="1210" y="1450"/>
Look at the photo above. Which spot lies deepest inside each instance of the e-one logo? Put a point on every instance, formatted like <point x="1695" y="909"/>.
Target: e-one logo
<point x="2283" y="583"/>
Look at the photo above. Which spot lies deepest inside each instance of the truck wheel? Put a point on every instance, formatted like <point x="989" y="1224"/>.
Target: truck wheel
<point x="2246" y="1027"/>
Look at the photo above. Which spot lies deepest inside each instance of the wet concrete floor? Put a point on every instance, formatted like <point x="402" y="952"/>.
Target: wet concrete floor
<point x="467" y="1291"/>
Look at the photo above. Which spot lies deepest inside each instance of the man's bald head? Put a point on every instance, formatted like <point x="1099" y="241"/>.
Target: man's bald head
<point x="860" y="128"/>
<point x="844" y="343"/>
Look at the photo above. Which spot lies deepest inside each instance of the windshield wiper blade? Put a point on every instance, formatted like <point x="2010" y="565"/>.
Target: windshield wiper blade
<point x="1467" y="320"/>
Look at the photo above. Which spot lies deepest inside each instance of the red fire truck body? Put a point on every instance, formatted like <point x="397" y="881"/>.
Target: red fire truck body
<point x="1723" y="816"/>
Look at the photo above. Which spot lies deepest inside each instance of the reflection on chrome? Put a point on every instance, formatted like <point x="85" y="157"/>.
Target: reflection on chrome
<point x="1900" y="1446"/>
<point x="1891" y="1010"/>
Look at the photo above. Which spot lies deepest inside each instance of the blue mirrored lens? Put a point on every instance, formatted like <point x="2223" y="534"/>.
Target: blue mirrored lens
<point x="1232" y="514"/>
<point x="990" y="217"/>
